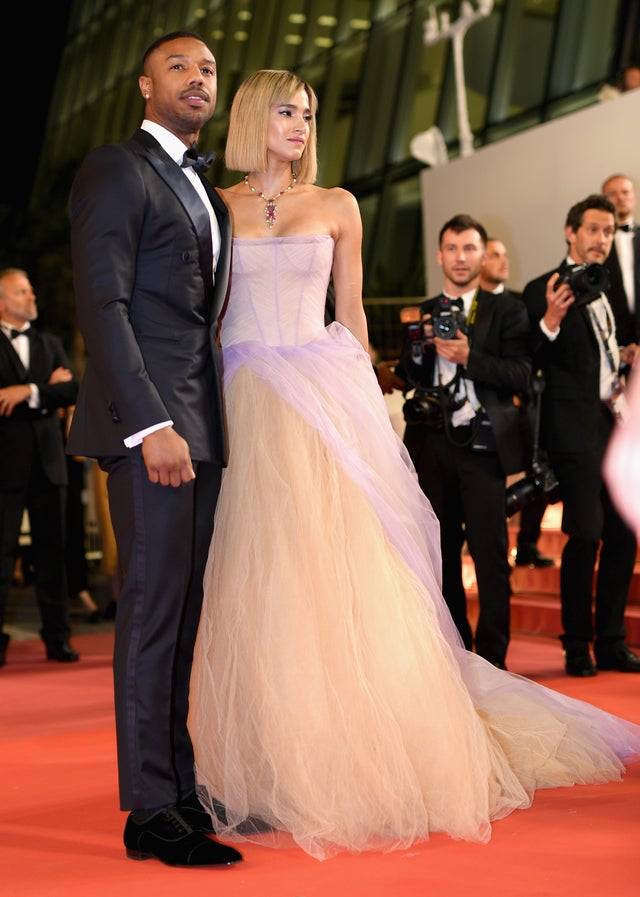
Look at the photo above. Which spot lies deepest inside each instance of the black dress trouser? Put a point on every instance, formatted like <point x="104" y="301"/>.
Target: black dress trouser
<point x="467" y="491"/>
<point x="45" y="505"/>
<point x="592" y="523"/>
<point x="162" y="536"/>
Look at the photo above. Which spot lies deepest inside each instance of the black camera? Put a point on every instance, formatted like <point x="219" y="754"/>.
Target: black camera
<point x="447" y="318"/>
<point x="540" y="480"/>
<point x="586" y="282"/>
<point x="424" y="408"/>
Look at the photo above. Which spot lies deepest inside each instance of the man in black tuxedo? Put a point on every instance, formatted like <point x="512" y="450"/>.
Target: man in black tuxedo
<point x="35" y="381"/>
<point x="494" y="275"/>
<point x="463" y="431"/>
<point x="623" y="265"/>
<point x="574" y="345"/>
<point x="151" y="248"/>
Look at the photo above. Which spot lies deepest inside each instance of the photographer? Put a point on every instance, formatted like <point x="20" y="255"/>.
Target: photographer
<point x="463" y="428"/>
<point x="574" y="343"/>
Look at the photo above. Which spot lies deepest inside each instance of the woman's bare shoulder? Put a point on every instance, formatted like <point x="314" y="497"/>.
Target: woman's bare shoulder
<point x="230" y="192"/>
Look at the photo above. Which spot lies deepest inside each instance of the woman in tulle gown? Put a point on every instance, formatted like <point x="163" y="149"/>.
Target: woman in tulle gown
<point x="331" y="697"/>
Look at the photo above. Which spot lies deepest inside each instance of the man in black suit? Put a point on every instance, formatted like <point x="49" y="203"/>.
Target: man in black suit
<point x="623" y="265"/>
<point x="574" y="345"/>
<point x="151" y="248"/>
<point x="463" y="430"/>
<point x="494" y="275"/>
<point x="35" y="381"/>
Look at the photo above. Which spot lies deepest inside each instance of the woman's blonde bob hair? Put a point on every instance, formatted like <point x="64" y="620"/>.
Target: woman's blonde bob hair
<point x="246" y="148"/>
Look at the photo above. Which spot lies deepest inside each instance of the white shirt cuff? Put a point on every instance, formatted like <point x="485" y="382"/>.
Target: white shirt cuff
<point x="550" y="334"/>
<point x="137" y="438"/>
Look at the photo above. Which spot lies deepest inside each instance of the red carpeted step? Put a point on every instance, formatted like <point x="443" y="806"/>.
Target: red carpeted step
<point x="535" y="602"/>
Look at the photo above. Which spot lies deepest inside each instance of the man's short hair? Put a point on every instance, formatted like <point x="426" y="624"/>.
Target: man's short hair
<point x="613" y="177"/>
<point x="460" y="223"/>
<point x="172" y="35"/>
<point x="594" y="201"/>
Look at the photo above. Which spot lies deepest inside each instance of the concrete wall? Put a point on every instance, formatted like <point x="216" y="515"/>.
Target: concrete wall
<point x="522" y="187"/>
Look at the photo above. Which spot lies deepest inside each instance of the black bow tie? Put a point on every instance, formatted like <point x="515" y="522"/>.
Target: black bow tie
<point x="626" y="227"/>
<point x="14" y="333"/>
<point x="199" y="161"/>
<point x="459" y="302"/>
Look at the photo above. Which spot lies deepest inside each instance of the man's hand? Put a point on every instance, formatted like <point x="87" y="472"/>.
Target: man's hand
<point x="455" y="350"/>
<point x="388" y="380"/>
<point x="167" y="458"/>
<point x="559" y="301"/>
<point x="60" y="375"/>
<point x="10" y="396"/>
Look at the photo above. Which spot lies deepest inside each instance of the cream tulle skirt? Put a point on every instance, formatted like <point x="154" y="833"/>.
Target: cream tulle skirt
<point x="331" y="697"/>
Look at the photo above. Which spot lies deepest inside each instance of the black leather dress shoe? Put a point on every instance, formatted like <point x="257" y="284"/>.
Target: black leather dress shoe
<point x="61" y="651"/>
<point x="4" y="642"/>
<point x="529" y="556"/>
<point x="195" y="814"/>
<point x="168" y="837"/>
<point x="620" y="658"/>
<point x="579" y="664"/>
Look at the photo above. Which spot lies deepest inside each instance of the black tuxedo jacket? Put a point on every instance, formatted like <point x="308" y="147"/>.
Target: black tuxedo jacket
<point x="627" y="322"/>
<point x="34" y="429"/>
<point x="499" y="366"/>
<point x="571" y="406"/>
<point x="150" y="329"/>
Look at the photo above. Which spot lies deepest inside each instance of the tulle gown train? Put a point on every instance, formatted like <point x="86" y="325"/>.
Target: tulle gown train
<point x="331" y="696"/>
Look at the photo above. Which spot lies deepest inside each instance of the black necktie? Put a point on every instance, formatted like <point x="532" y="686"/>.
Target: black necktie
<point x="625" y="227"/>
<point x="198" y="161"/>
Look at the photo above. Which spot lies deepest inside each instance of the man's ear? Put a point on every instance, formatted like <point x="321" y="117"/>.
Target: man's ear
<point x="144" y="82"/>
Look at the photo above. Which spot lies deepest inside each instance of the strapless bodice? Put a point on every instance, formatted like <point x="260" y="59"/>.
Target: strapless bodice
<point x="278" y="290"/>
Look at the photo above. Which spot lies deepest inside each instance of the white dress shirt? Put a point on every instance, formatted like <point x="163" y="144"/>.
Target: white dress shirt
<point x="446" y="371"/>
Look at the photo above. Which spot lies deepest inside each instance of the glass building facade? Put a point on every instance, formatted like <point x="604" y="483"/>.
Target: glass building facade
<point x="379" y="85"/>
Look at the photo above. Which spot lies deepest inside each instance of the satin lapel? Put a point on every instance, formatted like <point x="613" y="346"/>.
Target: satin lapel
<point x="39" y="359"/>
<point x="191" y="202"/>
<point x="224" y="258"/>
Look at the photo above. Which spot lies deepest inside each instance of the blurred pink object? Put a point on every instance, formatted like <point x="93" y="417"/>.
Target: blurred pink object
<point x="621" y="466"/>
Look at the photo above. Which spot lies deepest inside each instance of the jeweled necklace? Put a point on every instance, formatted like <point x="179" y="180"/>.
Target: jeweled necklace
<point x="270" y="208"/>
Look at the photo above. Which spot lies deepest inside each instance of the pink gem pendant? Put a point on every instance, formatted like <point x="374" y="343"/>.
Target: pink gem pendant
<point x="270" y="212"/>
<point x="270" y="208"/>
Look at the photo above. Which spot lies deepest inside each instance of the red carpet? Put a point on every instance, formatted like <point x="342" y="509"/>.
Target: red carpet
<point x="61" y="829"/>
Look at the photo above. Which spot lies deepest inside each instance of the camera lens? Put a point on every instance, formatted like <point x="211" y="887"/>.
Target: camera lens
<point x="445" y="328"/>
<point x="423" y="409"/>
<point x="521" y="494"/>
<point x="587" y="283"/>
<point x="592" y="276"/>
